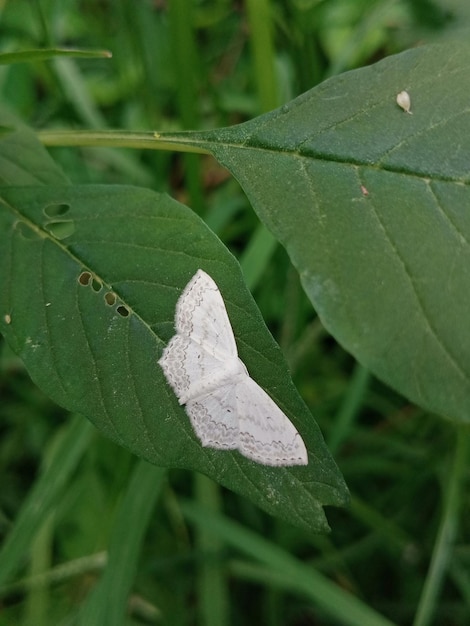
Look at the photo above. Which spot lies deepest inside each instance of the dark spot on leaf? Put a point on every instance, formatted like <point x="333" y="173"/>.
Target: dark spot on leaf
<point x="96" y="285"/>
<point x="123" y="312"/>
<point x="84" y="278"/>
<point x="56" y="210"/>
<point x="110" y="298"/>
<point x="61" y="228"/>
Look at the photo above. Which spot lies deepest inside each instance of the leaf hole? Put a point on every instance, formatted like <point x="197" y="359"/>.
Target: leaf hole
<point x="110" y="298"/>
<point x="56" y="210"/>
<point x="61" y="228"/>
<point x="87" y="280"/>
<point x="26" y="231"/>
<point x="96" y="285"/>
<point x="84" y="278"/>
<point x="123" y="311"/>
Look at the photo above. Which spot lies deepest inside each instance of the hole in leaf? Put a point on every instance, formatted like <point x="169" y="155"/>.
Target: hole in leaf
<point x="84" y="278"/>
<point x="123" y="312"/>
<point x="7" y="318"/>
<point x="26" y="231"/>
<point x="56" y="210"/>
<point x="61" y="229"/>
<point x="110" y="298"/>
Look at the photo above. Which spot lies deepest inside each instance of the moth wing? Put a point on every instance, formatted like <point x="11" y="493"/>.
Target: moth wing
<point x="202" y="316"/>
<point x="204" y="339"/>
<point x="214" y="418"/>
<point x="267" y="435"/>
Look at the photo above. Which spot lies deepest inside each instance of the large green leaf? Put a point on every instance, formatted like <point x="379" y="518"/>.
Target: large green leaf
<point x="90" y="278"/>
<point x="373" y="207"/>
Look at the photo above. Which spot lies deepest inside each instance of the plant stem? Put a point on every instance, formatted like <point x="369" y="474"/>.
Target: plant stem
<point x="446" y="533"/>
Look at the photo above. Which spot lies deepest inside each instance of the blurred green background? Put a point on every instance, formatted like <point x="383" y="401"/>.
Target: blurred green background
<point x="199" y="64"/>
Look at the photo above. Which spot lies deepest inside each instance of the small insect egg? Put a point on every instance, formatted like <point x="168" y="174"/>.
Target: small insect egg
<point x="404" y="101"/>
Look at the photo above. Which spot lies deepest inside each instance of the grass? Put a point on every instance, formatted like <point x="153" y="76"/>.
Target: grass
<point x="69" y="504"/>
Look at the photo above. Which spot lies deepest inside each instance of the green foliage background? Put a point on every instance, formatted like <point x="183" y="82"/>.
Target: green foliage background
<point x="74" y="505"/>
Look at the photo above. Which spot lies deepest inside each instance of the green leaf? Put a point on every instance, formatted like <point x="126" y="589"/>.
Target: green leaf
<point x="372" y="205"/>
<point x="91" y="276"/>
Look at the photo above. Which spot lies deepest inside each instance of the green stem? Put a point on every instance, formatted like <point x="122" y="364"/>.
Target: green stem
<point x="446" y="534"/>
<point x="181" y="142"/>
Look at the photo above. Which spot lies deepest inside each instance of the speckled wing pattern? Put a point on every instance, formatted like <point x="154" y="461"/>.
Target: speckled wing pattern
<point x="227" y="408"/>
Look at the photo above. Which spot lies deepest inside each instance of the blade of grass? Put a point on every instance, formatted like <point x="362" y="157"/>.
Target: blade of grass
<point x="37" y="602"/>
<point x="187" y="71"/>
<point x="30" y="56"/>
<point x="372" y="19"/>
<point x="395" y="537"/>
<point x="262" y="244"/>
<point x="37" y="609"/>
<point x="444" y="545"/>
<point x="260" y="24"/>
<point x="83" y="566"/>
<point x="45" y="494"/>
<point x="298" y="577"/>
<point x="256" y="256"/>
<point x="349" y="408"/>
<point x="107" y="604"/>
<point x="461" y="579"/>
<point x="213" y="592"/>
<point x="76" y="91"/>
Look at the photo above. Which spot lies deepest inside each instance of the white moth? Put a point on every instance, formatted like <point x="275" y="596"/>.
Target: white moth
<point x="404" y="101"/>
<point x="227" y="408"/>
